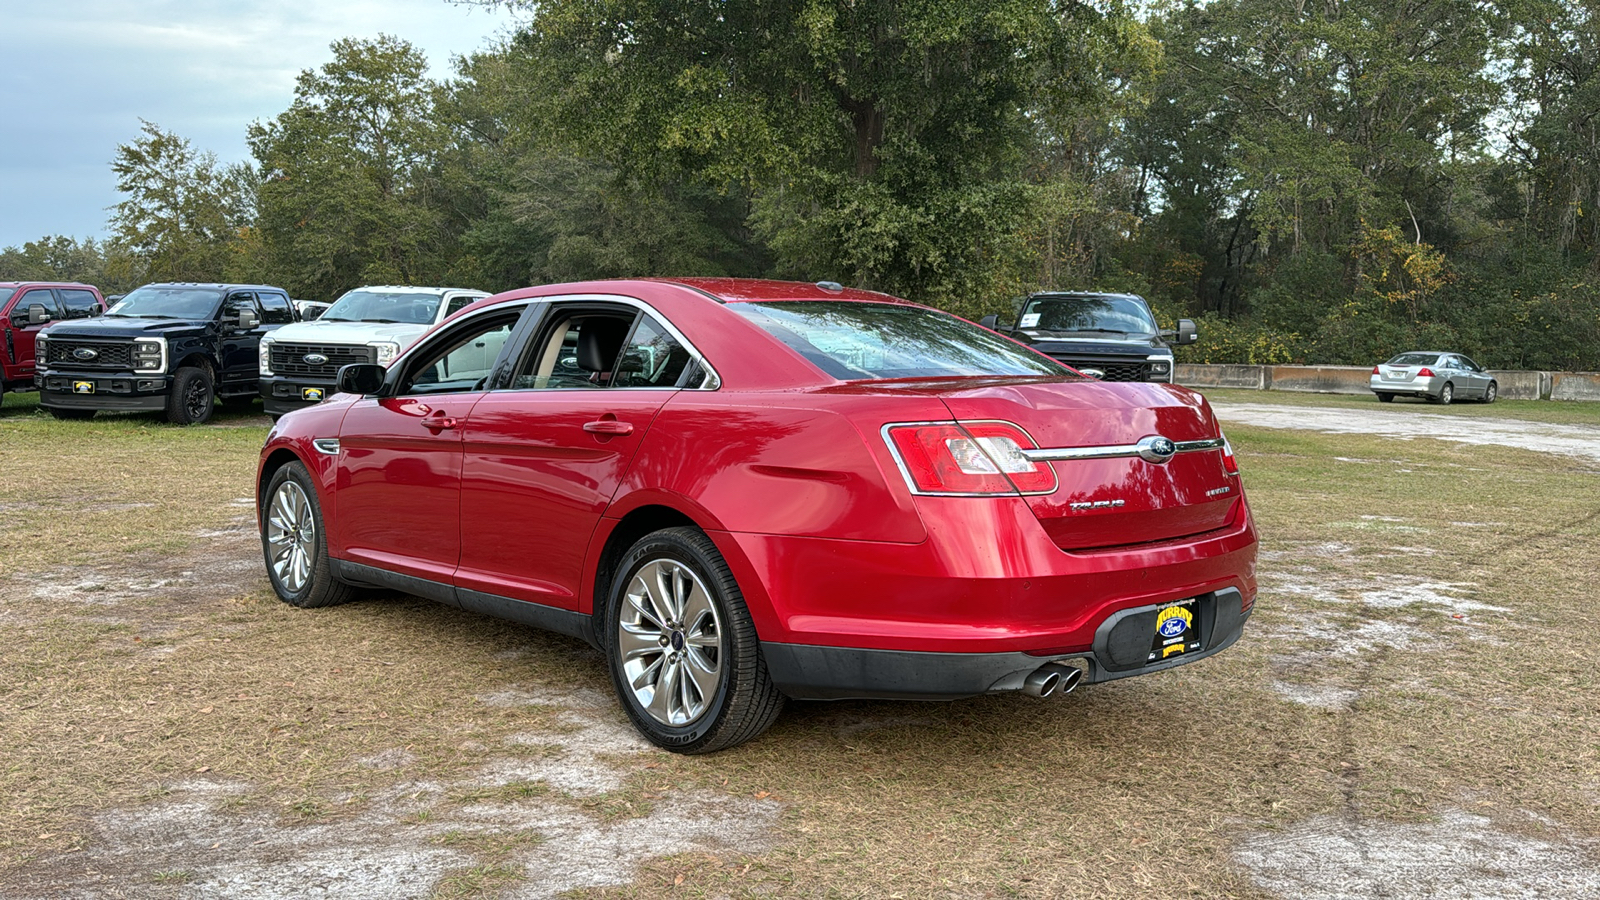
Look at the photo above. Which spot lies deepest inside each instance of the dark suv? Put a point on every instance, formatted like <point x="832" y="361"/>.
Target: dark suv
<point x="25" y="308"/>
<point x="1112" y="337"/>
<point x="170" y="348"/>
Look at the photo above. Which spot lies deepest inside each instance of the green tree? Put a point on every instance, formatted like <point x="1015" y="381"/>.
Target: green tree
<point x="182" y="209"/>
<point x="347" y="173"/>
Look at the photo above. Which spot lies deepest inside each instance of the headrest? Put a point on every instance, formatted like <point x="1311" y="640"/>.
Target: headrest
<point x="599" y="342"/>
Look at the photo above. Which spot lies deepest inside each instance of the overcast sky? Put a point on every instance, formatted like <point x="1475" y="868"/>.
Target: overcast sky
<point x="76" y="76"/>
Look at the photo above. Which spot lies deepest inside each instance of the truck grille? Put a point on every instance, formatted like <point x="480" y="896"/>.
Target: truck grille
<point x="1113" y="371"/>
<point x="289" y="359"/>
<point x="107" y="355"/>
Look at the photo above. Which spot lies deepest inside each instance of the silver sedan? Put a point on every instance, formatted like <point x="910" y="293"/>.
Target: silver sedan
<point x="1437" y="377"/>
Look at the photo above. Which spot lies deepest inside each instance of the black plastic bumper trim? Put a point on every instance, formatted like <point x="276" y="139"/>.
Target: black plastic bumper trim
<point x="538" y="615"/>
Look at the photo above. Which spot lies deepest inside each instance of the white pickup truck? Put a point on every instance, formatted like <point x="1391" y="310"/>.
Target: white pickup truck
<point x="300" y="362"/>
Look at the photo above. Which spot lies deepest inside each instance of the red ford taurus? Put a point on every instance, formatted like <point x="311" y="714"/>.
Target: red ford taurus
<point x="743" y="491"/>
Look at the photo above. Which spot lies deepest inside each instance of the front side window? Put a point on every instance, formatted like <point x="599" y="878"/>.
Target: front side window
<point x="169" y="303"/>
<point x="461" y="361"/>
<point x="388" y="307"/>
<point x="852" y="341"/>
<point x="457" y="304"/>
<point x="46" y="299"/>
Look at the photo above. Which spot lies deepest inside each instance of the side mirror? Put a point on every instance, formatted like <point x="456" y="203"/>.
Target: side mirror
<point x="1187" y="332"/>
<point x="361" y="378"/>
<point x="312" y="313"/>
<point x="37" y="314"/>
<point x="991" y="322"/>
<point x="248" y="319"/>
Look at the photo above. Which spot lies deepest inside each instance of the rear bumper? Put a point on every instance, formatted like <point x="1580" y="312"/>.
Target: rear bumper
<point x="811" y="672"/>
<point x="1421" y="387"/>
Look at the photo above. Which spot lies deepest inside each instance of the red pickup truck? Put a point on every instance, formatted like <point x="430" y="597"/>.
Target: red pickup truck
<point x="25" y="308"/>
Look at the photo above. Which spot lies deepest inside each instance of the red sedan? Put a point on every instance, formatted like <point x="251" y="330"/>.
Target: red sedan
<point x="743" y="491"/>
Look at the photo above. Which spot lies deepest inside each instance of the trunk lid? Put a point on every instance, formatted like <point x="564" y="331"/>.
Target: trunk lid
<point x="1117" y="501"/>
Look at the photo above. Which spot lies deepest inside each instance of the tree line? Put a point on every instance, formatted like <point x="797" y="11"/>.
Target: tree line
<point x="1326" y="181"/>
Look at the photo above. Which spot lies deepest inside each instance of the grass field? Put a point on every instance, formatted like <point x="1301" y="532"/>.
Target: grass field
<point x="1412" y="705"/>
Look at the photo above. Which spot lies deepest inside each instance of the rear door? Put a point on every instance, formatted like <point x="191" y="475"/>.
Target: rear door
<point x="545" y="454"/>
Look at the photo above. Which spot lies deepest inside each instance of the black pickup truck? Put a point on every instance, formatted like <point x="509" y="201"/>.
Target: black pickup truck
<point x="1112" y="337"/>
<point x="171" y="348"/>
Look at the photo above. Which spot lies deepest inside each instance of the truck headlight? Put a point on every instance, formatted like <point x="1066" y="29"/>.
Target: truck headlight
<point x="384" y="352"/>
<point x="264" y="356"/>
<point x="150" y="355"/>
<point x="1160" y="367"/>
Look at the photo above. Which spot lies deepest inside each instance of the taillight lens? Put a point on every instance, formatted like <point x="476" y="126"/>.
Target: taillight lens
<point x="1230" y="463"/>
<point x="1424" y="372"/>
<point x="1375" y="371"/>
<point x="969" y="458"/>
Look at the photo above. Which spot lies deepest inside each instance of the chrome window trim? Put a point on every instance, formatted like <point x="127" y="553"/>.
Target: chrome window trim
<point x="712" y="381"/>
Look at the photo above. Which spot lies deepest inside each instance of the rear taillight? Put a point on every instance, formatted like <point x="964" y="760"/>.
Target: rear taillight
<point x="1375" y="371"/>
<point x="1424" y="372"/>
<point x="1230" y="463"/>
<point x="969" y="458"/>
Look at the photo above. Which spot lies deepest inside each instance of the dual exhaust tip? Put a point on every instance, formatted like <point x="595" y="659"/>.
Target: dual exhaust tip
<point x="1050" y="679"/>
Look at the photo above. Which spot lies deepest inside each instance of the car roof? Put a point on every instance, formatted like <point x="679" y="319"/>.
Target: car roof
<point x="1086" y="294"/>
<point x="23" y="284"/>
<point x="757" y="290"/>
<point x="213" y="284"/>
<point x="414" y="287"/>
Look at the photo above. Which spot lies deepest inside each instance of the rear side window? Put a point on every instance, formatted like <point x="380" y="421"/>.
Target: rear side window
<point x="275" y="309"/>
<point x="855" y="341"/>
<point x="79" y="304"/>
<point x="654" y="358"/>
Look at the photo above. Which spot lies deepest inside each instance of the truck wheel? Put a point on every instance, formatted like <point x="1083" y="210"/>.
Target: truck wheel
<point x="295" y="543"/>
<point x="192" y="396"/>
<point x="683" y="652"/>
<point x="70" y="415"/>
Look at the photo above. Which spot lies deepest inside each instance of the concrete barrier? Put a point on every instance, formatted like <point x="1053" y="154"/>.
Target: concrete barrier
<point x="1198" y="375"/>
<point x="1320" y="379"/>
<point x="1575" y="386"/>
<point x="1521" y="385"/>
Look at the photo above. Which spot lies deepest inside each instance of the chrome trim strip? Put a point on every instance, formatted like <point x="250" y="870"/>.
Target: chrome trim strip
<point x="1114" y="451"/>
<point x="330" y="446"/>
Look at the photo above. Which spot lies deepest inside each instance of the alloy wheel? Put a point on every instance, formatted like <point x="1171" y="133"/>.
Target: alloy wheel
<point x="197" y="400"/>
<point x="291" y="536"/>
<point x="670" y="639"/>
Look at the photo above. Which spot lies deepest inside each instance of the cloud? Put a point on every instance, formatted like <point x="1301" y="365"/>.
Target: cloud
<point x="80" y="74"/>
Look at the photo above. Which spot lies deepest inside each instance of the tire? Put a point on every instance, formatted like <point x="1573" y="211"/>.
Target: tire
<point x="1447" y="394"/>
<point x="1385" y="398"/>
<point x="294" y="542"/>
<point x="683" y="652"/>
<point x="192" y="398"/>
<point x="1491" y="392"/>
<point x="70" y="415"/>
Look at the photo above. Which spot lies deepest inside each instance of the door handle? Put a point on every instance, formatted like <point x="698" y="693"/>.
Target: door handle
<point x="438" y="422"/>
<point x="608" y="426"/>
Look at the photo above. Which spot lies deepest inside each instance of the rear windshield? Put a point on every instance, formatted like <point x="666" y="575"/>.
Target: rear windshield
<point x="1415" y="359"/>
<point x="853" y="341"/>
<point x="169" y="303"/>
<point x="394" y="307"/>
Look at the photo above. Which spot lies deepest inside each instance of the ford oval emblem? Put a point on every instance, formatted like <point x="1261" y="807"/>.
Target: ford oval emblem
<point x="85" y="354"/>
<point x="314" y="359"/>
<point x="1173" y="627"/>
<point x="1156" y="449"/>
<point x="1093" y="373"/>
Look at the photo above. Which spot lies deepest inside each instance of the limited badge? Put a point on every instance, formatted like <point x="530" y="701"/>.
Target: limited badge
<point x="83" y="387"/>
<point x="312" y="394"/>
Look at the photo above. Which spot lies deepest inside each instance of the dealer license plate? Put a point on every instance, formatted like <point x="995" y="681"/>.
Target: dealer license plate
<point x="315" y="395"/>
<point x="83" y="387"/>
<point x="1177" y="631"/>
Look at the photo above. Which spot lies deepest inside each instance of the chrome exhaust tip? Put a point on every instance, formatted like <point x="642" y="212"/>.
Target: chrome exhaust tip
<point x="1041" y="682"/>
<point x="1051" y="679"/>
